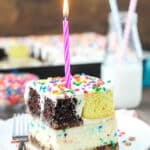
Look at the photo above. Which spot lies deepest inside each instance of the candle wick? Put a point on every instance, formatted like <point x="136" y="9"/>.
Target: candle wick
<point x="65" y="18"/>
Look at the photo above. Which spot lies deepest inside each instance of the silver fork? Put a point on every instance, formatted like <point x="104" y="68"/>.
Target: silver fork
<point x="20" y="130"/>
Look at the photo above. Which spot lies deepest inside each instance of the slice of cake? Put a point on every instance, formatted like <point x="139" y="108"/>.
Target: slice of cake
<point x="79" y="118"/>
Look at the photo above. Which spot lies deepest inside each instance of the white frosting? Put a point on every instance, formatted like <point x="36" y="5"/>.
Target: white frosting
<point x="80" y="103"/>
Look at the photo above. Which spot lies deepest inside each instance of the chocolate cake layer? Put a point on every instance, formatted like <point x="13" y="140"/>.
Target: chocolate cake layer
<point x="108" y="147"/>
<point x="37" y="144"/>
<point x="58" y="115"/>
<point x="34" y="102"/>
<point x="62" y="114"/>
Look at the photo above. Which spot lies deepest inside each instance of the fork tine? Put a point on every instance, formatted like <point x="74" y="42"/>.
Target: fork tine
<point x="21" y="124"/>
<point x="20" y="127"/>
<point x="26" y="125"/>
<point x="14" y="125"/>
<point x="18" y="124"/>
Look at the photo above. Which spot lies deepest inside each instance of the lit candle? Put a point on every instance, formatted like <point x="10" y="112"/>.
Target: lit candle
<point x="66" y="44"/>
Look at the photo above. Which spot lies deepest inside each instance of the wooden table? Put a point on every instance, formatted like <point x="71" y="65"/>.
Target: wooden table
<point x="144" y="108"/>
<point x="16" y="17"/>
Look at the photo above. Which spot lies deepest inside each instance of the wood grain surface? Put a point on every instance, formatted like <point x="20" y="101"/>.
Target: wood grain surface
<point x="23" y="17"/>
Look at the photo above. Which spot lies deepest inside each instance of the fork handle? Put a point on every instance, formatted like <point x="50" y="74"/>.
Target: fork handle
<point x="22" y="146"/>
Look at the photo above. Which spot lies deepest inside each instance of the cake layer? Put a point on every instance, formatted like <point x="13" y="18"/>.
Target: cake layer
<point x="62" y="107"/>
<point x="88" y="136"/>
<point x="35" y="145"/>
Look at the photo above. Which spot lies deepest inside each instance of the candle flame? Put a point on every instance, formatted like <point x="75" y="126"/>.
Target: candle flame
<point x="65" y="9"/>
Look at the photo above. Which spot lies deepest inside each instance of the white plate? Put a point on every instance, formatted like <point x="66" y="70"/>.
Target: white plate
<point x="134" y="134"/>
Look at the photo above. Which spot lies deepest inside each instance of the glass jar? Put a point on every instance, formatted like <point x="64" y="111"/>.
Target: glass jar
<point x="124" y="72"/>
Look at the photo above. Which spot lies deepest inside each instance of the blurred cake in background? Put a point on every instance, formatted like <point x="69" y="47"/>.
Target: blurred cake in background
<point x="12" y="87"/>
<point x="48" y="50"/>
<point x="84" y="48"/>
<point x="18" y="56"/>
<point x="17" y="51"/>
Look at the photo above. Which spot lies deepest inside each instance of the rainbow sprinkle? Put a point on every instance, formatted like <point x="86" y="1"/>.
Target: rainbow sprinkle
<point x="79" y="83"/>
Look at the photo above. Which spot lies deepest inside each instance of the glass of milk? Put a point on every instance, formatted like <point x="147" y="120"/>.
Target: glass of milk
<point x="126" y="75"/>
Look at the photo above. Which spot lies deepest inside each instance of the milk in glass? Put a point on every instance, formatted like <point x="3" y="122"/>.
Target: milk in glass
<point x="127" y="83"/>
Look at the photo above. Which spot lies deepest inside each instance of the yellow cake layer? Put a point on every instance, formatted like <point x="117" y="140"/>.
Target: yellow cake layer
<point x="98" y="105"/>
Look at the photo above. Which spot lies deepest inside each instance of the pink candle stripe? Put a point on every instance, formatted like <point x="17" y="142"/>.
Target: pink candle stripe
<point x="66" y="53"/>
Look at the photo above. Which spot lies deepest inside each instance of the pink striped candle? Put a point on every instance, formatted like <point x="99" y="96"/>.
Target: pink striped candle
<point x="66" y="45"/>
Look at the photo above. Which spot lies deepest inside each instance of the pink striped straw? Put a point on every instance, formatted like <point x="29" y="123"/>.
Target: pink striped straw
<point x="132" y="9"/>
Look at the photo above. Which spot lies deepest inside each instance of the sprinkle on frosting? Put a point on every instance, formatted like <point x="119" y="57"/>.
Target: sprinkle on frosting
<point x="79" y="83"/>
<point x="99" y="128"/>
